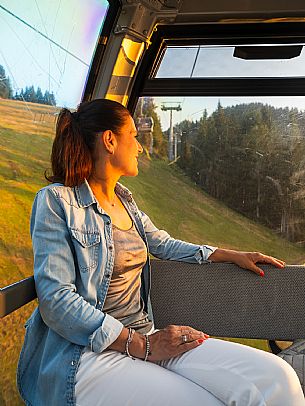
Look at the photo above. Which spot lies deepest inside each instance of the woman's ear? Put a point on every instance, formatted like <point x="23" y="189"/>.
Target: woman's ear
<point x="109" y="141"/>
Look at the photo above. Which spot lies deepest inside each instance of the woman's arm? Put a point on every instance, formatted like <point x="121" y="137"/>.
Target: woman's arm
<point x="163" y="246"/>
<point x="61" y="307"/>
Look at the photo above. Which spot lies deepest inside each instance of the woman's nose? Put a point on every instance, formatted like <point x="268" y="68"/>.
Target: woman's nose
<point x="140" y="148"/>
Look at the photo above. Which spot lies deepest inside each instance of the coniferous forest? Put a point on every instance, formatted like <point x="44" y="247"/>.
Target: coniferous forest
<point x="252" y="158"/>
<point x="29" y="94"/>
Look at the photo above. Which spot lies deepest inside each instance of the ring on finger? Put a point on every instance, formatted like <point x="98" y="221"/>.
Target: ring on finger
<point x="184" y="338"/>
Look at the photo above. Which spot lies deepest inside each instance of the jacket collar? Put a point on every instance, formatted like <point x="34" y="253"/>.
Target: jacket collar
<point x="85" y="196"/>
<point x="123" y="192"/>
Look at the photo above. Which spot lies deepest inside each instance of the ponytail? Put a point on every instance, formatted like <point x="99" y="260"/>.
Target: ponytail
<point x="76" y="135"/>
<point x="71" y="158"/>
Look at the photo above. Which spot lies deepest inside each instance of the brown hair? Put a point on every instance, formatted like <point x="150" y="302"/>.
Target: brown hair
<point x="75" y="139"/>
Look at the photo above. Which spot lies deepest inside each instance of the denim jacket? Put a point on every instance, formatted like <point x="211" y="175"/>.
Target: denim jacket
<point x="73" y="263"/>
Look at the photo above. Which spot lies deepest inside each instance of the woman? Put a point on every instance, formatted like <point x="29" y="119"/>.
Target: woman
<point x="91" y="340"/>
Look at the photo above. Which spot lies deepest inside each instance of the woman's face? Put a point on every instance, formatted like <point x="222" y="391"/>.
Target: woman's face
<point x="125" y="157"/>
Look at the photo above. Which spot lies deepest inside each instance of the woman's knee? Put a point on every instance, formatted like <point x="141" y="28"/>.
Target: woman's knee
<point x="284" y="373"/>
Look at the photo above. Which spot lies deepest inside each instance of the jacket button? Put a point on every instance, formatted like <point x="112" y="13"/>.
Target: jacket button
<point x="72" y="363"/>
<point x="110" y="247"/>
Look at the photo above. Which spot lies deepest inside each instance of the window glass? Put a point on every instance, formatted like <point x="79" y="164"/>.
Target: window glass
<point x="238" y="164"/>
<point x="45" y="55"/>
<point x="46" y="48"/>
<point x="218" y="61"/>
<point x="50" y="45"/>
<point x="177" y="62"/>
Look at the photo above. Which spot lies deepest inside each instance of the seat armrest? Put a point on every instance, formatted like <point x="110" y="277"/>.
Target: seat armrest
<point x="16" y="295"/>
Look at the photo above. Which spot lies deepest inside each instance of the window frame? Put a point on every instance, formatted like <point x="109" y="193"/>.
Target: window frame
<point x="115" y="7"/>
<point x="217" y="34"/>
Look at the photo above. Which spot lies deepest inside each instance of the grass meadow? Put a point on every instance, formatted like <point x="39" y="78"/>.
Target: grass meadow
<point x="26" y="132"/>
<point x="164" y="192"/>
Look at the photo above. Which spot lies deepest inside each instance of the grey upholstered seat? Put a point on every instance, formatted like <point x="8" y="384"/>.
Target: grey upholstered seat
<point x="226" y="301"/>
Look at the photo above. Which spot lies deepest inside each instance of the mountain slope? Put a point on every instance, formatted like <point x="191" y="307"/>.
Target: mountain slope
<point x="176" y="204"/>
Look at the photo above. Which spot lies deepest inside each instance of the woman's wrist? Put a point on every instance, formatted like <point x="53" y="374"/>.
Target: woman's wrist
<point x="137" y="347"/>
<point x="131" y="343"/>
<point x="147" y="347"/>
<point x="222" y="255"/>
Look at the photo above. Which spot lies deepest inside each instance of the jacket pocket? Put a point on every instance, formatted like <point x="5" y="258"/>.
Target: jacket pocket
<point x="87" y="245"/>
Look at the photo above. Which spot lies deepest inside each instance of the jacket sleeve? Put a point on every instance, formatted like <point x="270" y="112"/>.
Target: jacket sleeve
<point x="163" y="246"/>
<point x="60" y="305"/>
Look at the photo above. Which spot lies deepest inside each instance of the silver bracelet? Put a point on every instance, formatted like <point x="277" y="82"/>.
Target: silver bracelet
<point x="147" y="347"/>
<point x="131" y="332"/>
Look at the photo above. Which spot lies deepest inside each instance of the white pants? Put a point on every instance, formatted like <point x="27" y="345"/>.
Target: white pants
<point x="213" y="374"/>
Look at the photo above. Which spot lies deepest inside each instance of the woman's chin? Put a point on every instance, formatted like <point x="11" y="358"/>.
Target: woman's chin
<point x="132" y="173"/>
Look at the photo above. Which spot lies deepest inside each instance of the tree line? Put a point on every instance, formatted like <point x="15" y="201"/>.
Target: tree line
<point x="252" y="158"/>
<point x="29" y="94"/>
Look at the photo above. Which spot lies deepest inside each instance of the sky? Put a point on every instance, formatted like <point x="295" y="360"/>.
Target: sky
<point x="34" y="40"/>
<point x="29" y="58"/>
<point x="192" y="108"/>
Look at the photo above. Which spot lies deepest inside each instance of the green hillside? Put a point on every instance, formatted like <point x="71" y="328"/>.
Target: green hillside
<point x="176" y="204"/>
<point x="26" y="132"/>
<point x="164" y="192"/>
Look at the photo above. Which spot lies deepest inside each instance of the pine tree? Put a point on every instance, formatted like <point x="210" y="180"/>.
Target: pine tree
<point x="6" y="91"/>
<point x="39" y="96"/>
<point x="252" y="158"/>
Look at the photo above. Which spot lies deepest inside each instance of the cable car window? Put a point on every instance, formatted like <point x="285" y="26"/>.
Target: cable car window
<point x="238" y="164"/>
<point x="46" y="49"/>
<point x="44" y="63"/>
<point x="232" y="61"/>
<point x="41" y="53"/>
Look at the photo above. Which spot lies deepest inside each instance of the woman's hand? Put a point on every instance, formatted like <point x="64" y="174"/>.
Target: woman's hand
<point x="164" y="344"/>
<point x="173" y="341"/>
<point x="246" y="260"/>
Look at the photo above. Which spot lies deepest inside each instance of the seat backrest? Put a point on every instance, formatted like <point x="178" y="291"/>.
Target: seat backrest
<point x="220" y="299"/>
<point x="226" y="301"/>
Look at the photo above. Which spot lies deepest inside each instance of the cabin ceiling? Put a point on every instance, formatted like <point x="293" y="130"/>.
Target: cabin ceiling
<point x="196" y="11"/>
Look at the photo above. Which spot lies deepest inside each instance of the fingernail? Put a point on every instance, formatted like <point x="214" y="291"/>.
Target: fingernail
<point x="262" y="273"/>
<point x="200" y="341"/>
<point x="206" y="336"/>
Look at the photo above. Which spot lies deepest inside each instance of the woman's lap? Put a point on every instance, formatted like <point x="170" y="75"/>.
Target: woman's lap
<point x="215" y="373"/>
<point x="239" y="375"/>
<point x="113" y="379"/>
